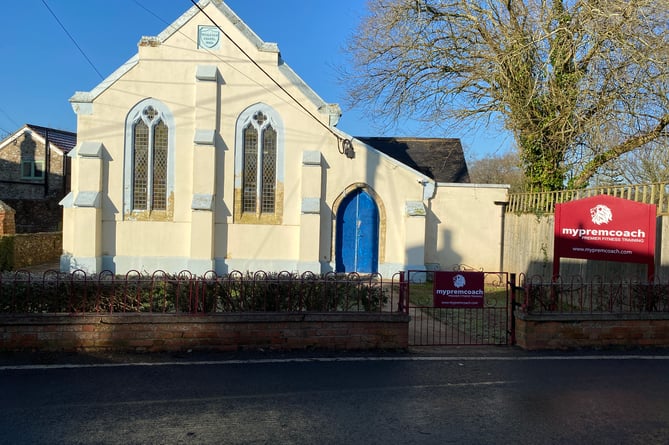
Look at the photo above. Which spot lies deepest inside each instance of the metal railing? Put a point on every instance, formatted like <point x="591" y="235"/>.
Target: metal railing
<point x="544" y="202"/>
<point x="431" y="325"/>
<point x="576" y="296"/>
<point x="160" y="292"/>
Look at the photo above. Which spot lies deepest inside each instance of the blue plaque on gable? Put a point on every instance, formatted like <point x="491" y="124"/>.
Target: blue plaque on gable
<point x="208" y="37"/>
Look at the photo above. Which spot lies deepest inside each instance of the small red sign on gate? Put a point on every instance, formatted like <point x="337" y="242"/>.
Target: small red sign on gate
<point x="458" y="289"/>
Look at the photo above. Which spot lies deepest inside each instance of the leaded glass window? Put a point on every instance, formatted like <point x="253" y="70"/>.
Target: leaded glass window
<point x="159" y="195"/>
<point x="141" y="166"/>
<point x="259" y="166"/>
<point x="250" y="185"/>
<point x="150" y="154"/>
<point x="268" y="170"/>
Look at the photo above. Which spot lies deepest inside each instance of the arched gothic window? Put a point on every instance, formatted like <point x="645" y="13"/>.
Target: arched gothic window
<point x="259" y="163"/>
<point x="148" y="158"/>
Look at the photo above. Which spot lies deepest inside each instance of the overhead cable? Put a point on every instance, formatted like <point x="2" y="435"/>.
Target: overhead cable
<point x="73" y="40"/>
<point x="345" y="146"/>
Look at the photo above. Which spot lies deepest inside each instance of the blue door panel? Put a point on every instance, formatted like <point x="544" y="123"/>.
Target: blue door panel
<point x="357" y="236"/>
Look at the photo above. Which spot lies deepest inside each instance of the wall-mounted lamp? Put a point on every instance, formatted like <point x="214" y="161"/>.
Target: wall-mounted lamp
<point x="346" y="148"/>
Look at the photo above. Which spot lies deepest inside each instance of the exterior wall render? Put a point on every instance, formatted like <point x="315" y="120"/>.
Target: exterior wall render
<point x="464" y="227"/>
<point x="184" y="237"/>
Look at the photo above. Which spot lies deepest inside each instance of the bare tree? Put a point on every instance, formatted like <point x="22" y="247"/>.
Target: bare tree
<point x="578" y="82"/>
<point x="648" y="164"/>
<point x="498" y="169"/>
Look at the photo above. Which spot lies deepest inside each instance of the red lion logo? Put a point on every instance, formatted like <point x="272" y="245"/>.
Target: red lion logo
<point x="601" y="214"/>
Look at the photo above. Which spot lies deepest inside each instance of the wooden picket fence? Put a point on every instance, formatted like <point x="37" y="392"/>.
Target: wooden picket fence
<point x="544" y="202"/>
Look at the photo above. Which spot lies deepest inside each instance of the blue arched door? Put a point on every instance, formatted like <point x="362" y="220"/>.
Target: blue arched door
<point x="357" y="237"/>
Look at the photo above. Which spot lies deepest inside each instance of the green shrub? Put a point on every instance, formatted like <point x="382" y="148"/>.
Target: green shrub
<point x="236" y="292"/>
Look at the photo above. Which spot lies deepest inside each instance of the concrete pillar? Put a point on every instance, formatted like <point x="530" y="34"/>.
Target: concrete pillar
<point x="84" y="207"/>
<point x="310" y="218"/>
<point x="201" y="255"/>
<point x="414" y="233"/>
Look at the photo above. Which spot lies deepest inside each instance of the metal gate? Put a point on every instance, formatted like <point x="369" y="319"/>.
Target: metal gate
<point x="491" y="324"/>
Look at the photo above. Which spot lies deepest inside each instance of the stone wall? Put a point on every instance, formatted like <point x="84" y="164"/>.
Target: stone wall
<point x="26" y="249"/>
<point x="7" y="216"/>
<point x="37" y="248"/>
<point x="574" y="331"/>
<point x="219" y="332"/>
<point x="37" y="215"/>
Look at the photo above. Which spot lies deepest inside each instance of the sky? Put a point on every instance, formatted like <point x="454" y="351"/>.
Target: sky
<point x="50" y="49"/>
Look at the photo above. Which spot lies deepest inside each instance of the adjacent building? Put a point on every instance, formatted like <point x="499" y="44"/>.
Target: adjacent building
<point x="35" y="176"/>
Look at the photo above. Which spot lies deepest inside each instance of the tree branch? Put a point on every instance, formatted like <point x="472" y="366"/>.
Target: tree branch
<point x="630" y="144"/>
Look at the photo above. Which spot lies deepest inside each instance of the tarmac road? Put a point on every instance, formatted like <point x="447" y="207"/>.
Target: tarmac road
<point x="435" y="396"/>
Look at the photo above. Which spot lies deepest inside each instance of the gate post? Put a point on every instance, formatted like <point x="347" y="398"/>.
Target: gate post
<point x="512" y="308"/>
<point x="403" y="303"/>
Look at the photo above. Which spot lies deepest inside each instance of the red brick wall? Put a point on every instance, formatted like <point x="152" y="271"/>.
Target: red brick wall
<point x="222" y="332"/>
<point x="579" y="331"/>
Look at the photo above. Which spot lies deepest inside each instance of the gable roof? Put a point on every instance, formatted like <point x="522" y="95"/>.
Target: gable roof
<point x="60" y="139"/>
<point x="65" y="140"/>
<point x="442" y="160"/>
<point x="333" y="110"/>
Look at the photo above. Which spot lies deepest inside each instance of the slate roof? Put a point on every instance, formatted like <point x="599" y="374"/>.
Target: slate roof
<point x="65" y="140"/>
<point x="442" y="160"/>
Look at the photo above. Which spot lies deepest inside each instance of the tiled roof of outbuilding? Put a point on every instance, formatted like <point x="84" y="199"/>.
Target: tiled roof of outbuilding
<point x="443" y="160"/>
<point x="65" y="140"/>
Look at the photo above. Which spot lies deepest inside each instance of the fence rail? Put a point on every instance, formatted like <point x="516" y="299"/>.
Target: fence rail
<point x="160" y="292"/>
<point x="575" y="296"/>
<point x="432" y="326"/>
<point x="544" y="202"/>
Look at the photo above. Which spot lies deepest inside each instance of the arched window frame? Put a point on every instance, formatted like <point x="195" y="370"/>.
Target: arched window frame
<point x="136" y="115"/>
<point x="270" y="118"/>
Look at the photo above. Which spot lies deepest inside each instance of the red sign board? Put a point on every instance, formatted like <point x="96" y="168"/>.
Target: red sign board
<point x="605" y="228"/>
<point x="458" y="289"/>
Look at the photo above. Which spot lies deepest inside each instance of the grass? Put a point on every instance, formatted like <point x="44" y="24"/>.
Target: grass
<point x="478" y="326"/>
<point x="421" y="294"/>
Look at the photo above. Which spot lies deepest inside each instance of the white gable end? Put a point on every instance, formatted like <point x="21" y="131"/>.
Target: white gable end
<point x="216" y="156"/>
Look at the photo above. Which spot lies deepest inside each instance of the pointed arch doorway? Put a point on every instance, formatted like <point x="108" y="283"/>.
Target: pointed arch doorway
<point x="357" y="233"/>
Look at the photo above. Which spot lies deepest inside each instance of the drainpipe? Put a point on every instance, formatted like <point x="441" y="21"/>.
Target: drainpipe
<point x="47" y="161"/>
<point x="502" y="205"/>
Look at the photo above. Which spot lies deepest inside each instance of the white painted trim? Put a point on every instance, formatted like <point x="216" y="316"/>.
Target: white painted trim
<point x="466" y="185"/>
<point x="89" y="149"/>
<point x="89" y="199"/>
<point x="204" y="137"/>
<point x="244" y="119"/>
<point x="311" y="205"/>
<point x="68" y="201"/>
<point x="202" y="201"/>
<point x="70" y="263"/>
<point x="206" y="73"/>
<point x="80" y="98"/>
<point x="133" y="115"/>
